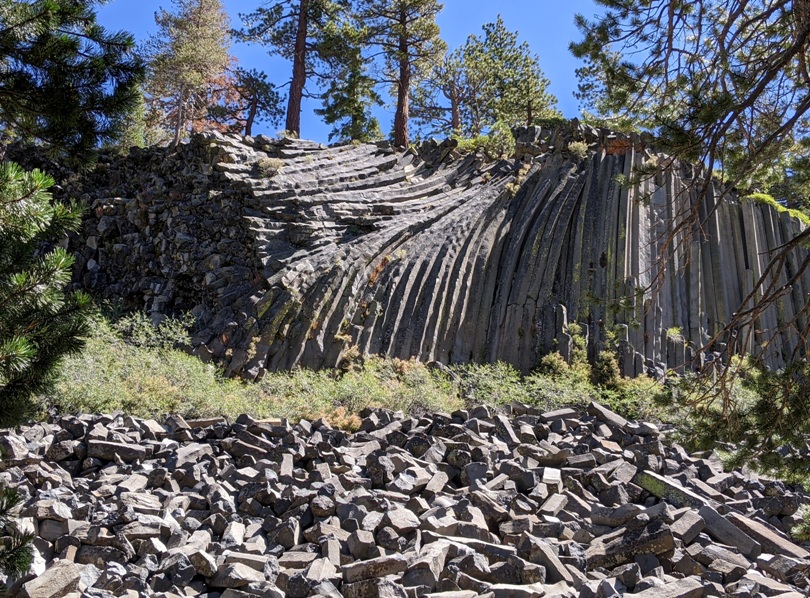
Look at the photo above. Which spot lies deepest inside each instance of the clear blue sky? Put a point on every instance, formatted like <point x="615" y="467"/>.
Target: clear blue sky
<point x="547" y="25"/>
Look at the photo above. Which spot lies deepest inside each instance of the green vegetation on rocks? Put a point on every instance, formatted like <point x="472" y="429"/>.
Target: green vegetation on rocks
<point x="767" y="200"/>
<point x="133" y="366"/>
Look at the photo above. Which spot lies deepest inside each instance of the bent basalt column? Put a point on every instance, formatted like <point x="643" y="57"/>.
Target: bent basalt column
<point x="289" y="252"/>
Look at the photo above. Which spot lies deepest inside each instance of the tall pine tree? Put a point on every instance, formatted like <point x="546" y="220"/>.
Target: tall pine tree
<point x="293" y="29"/>
<point x="186" y="56"/>
<point x="439" y="99"/>
<point x="408" y="36"/>
<point x="350" y="94"/>
<point x="491" y="79"/>
<point x="258" y="99"/>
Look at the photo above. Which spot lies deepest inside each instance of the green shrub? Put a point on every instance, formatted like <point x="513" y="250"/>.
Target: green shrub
<point x="269" y="167"/>
<point x="605" y="370"/>
<point x="578" y="149"/>
<point x="641" y="398"/>
<point x="131" y="365"/>
<point x="553" y="365"/>
<point x="498" y="143"/>
<point x="801" y="531"/>
<point x="493" y="384"/>
<point x="138" y="329"/>
<point x="550" y="392"/>
<point x="146" y="381"/>
<point x="762" y="199"/>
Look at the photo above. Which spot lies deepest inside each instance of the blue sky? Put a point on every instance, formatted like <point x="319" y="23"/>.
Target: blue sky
<point x="547" y="25"/>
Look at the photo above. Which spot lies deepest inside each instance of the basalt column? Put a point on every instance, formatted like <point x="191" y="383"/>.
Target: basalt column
<point x="291" y="253"/>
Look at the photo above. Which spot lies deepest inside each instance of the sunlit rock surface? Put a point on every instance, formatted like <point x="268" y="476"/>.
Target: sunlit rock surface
<point x="289" y="252"/>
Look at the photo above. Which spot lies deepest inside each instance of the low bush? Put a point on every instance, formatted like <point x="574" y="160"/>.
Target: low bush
<point x="801" y="531"/>
<point x="578" y="149"/>
<point x="498" y="143"/>
<point x="269" y="167"/>
<point x="147" y="378"/>
<point x="494" y="384"/>
<point x="129" y="364"/>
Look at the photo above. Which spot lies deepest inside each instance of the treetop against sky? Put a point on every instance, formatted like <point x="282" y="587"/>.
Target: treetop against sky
<point x="547" y="26"/>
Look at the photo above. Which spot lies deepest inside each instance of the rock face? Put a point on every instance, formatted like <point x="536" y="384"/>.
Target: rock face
<point x="290" y="252"/>
<point x="465" y="504"/>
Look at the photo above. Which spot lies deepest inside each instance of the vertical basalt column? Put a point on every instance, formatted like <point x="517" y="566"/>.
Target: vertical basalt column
<point x="440" y="256"/>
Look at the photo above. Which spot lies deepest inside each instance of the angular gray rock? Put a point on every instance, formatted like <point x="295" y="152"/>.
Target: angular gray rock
<point x="310" y="513"/>
<point x="60" y="579"/>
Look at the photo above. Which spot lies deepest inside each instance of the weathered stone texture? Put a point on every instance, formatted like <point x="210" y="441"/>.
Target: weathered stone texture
<point x="426" y="254"/>
<point x="311" y="514"/>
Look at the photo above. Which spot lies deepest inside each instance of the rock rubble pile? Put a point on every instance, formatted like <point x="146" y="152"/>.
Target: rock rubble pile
<point x="474" y="503"/>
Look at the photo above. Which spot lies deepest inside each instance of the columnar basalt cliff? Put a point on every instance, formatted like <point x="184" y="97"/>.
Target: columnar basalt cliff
<point x="289" y="252"/>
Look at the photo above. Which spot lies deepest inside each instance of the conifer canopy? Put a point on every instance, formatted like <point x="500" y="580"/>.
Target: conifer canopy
<point x="66" y="82"/>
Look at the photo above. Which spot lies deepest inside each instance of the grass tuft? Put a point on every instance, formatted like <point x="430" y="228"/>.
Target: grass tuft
<point x="764" y="199"/>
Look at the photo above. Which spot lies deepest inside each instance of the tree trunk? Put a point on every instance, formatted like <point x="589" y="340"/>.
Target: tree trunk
<point x="251" y="115"/>
<point x="529" y="114"/>
<point x="403" y="85"/>
<point x="299" y="78"/>
<point x="455" y="110"/>
<point x="178" y="125"/>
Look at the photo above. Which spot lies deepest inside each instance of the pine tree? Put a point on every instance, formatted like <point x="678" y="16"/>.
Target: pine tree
<point x="134" y="129"/>
<point x="39" y="323"/>
<point x="721" y="83"/>
<point x="66" y="81"/>
<point x="16" y="551"/>
<point x="244" y="98"/>
<point x="490" y="79"/>
<point x="186" y="55"/>
<point x="517" y="93"/>
<point x="408" y="36"/>
<point x="351" y="94"/>
<point x="293" y="30"/>
<point x="437" y="100"/>
<point x="259" y="101"/>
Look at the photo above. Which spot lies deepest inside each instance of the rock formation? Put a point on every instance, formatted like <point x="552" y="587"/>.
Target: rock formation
<point x="474" y="503"/>
<point x="289" y="252"/>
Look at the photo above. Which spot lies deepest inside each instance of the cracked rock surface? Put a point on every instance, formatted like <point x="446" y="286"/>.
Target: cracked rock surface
<point x="289" y="252"/>
<point x="475" y="503"/>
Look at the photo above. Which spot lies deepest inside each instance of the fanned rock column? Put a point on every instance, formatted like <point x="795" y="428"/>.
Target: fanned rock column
<point x="289" y="252"/>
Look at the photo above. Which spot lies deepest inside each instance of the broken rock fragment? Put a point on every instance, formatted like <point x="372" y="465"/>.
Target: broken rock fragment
<point x="485" y="503"/>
